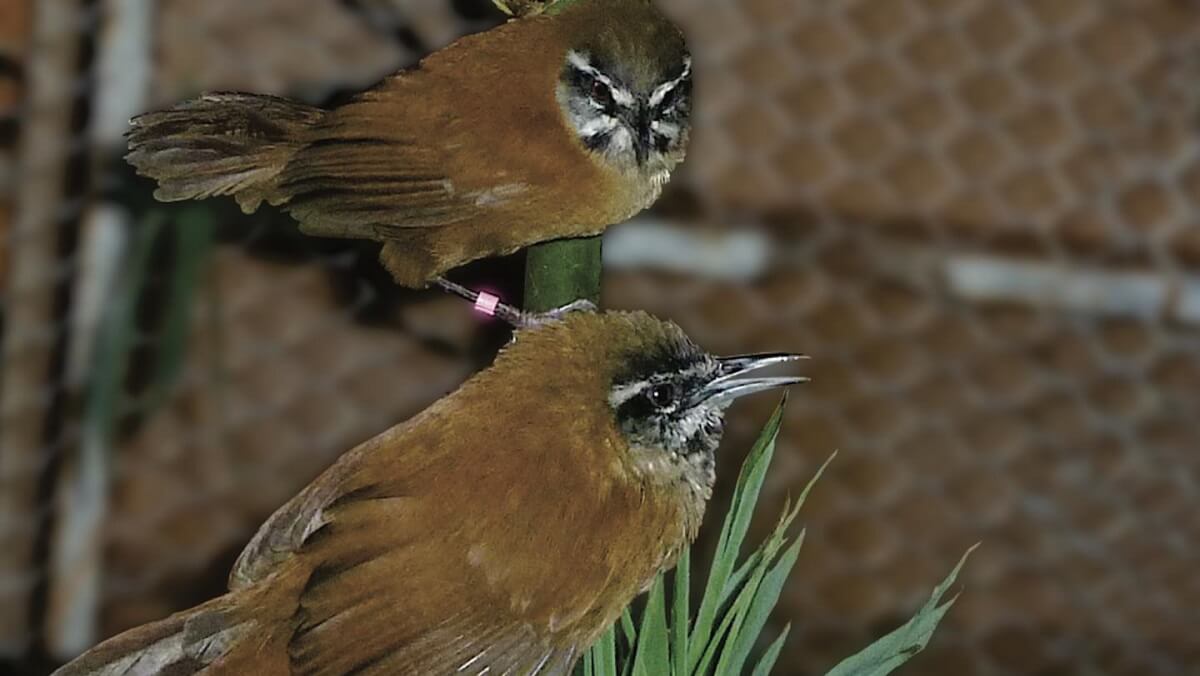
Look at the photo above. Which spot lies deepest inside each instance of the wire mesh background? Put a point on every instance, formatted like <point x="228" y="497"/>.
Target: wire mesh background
<point x="979" y="216"/>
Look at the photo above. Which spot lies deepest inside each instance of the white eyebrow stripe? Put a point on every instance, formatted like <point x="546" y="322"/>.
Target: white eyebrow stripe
<point x="620" y="95"/>
<point x="576" y="59"/>
<point x="667" y="129"/>
<point x="599" y="125"/>
<point x="660" y="92"/>
<point x="623" y="393"/>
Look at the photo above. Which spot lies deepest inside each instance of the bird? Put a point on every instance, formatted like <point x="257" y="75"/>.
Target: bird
<point x="553" y="125"/>
<point x="499" y="531"/>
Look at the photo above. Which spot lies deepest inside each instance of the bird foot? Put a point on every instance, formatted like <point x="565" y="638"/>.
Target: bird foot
<point x="492" y="305"/>
<point x="539" y="318"/>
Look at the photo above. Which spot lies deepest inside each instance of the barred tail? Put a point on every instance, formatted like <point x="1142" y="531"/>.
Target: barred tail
<point x="220" y="144"/>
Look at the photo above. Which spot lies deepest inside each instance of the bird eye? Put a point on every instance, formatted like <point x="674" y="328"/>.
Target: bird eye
<point x="601" y="93"/>
<point x="662" y="395"/>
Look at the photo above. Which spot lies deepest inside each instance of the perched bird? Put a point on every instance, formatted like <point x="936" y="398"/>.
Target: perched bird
<point x="500" y="531"/>
<point x="552" y="125"/>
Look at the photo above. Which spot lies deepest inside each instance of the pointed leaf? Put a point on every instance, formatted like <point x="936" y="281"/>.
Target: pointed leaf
<point x="680" y="613"/>
<point x="733" y="532"/>
<point x="745" y="600"/>
<point x="651" y="658"/>
<point x="605" y="662"/>
<point x="761" y="605"/>
<point x="708" y="657"/>
<point x="767" y="663"/>
<point x="891" y="651"/>
<point x="628" y="628"/>
<point x="193" y="241"/>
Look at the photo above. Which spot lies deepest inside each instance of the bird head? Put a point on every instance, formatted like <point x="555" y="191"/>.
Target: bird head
<point x="625" y="86"/>
<point x="663" y="395"/>
<point x="668" y="398"/>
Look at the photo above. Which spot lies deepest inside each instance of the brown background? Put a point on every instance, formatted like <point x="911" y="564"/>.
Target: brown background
<point x="877" y="144"/>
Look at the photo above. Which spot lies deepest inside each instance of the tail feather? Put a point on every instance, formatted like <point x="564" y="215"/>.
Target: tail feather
<point x="221" y="144"/>
<point x="185" y="643"/>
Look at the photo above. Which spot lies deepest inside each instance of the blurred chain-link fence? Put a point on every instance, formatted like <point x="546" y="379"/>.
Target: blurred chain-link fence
<point x="982" y="219"/>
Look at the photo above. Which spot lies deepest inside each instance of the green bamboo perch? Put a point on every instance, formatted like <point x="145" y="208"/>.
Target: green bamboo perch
<point x="562" y="271"/>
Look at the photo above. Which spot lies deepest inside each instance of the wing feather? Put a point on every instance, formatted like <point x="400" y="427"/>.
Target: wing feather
<point x="396" y="595"/>
<point x="373" y="168"/>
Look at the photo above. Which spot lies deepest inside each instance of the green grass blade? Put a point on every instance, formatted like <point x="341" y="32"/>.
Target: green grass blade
<point x="193" y="246"/>
<point x="629" y="631"/>
<point x="628" y="628"/>
<point x="809" y="486"/>
<point x="732" y="619"/>
<point x="739" y="576"/>
<point x="651" y="658"/>
<point x="680" y="613"/>
<point x="748" y="613"/>
<point x="605" y="659"/>
<point x="704" y="666"/>
<point x="767" y="663"/>
<point x="746" y="633"/>
<point x="745" y="599"/>
<point x="733" y="533"/>
<point x="891" y="651"/>
<point x="738" y="599"/>
<point x="749" y="484"/>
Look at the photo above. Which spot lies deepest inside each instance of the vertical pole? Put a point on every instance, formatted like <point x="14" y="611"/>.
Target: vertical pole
<point x="562" y="271"/>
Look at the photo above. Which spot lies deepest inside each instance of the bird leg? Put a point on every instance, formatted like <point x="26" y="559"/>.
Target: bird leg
<point x="581" y="305"/>
<point x="520" y="319"/>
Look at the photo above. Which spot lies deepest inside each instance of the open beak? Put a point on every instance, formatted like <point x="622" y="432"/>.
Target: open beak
<point x="730" y="384"/>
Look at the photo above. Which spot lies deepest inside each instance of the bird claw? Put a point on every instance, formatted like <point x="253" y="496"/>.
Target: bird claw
<point x="532" y="319"/>
<point x="520" y="319"/>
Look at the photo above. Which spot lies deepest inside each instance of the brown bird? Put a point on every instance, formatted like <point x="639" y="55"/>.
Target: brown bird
<point x="549" y="126"/>
<point x="500" y="531"/>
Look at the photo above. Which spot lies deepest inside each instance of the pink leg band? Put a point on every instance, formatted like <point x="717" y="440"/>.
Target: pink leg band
<point x="486" y="303"/>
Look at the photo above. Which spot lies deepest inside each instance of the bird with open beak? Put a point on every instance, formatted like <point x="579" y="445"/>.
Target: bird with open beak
<point x="500" y="531"/>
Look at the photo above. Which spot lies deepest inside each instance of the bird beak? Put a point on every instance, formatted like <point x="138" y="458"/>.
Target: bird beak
<point x="729" y="385"/>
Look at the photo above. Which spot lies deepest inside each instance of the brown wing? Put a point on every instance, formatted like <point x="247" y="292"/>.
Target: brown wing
<point x="393" y="587"/>
<point x="372" y="172"/>
<point x="472" y="536"/>
<point x="390" y="596"/>
<point x="462" y="135"/>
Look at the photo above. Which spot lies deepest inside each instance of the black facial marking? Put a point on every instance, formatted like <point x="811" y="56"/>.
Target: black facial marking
<point x="603" y="108"/>
<point x="636" y="408"/>
<point x="586" y="84"/>
<point x="583" y="83"/>
<point x="697" y="443"/>
<point x="676" y="102"/>
<point x="668" y="100"/>
<point x="577" y="79"/>
<point x="602" y="94"/>
<point x="597" y="142"/>
<point x="668" y="356"/>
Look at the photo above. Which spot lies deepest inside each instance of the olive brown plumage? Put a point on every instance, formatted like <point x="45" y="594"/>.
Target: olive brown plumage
<point x="502" y="530"/>
<point x="553" y="125"/>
